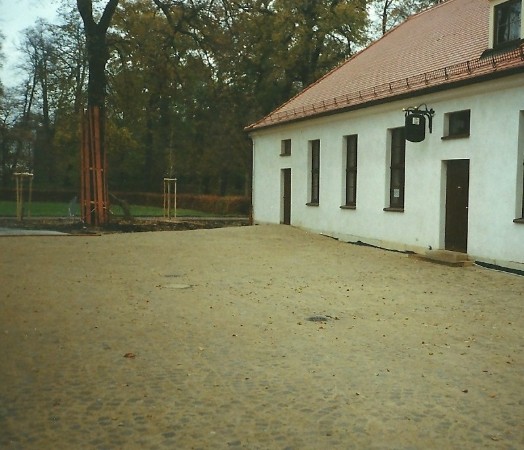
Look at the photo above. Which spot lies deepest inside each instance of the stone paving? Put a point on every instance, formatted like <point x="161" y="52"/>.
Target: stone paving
<point x="201" y="340"/>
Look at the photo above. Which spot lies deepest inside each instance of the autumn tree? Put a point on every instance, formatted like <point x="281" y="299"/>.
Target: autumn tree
<point x="177" y="81"/>
<point x="69" y="77"/>
<point x="1" y="61"/>
<point x="38" y="63"/>
<point x="253" y="56"/>
<point x="147" y="64"/>
<point x="393" y="12"/>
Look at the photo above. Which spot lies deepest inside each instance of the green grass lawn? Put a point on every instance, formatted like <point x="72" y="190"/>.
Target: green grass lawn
<point x="49" y="209"/>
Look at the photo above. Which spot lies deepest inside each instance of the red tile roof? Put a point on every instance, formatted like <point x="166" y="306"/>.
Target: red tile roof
<point x="437" y="47"/>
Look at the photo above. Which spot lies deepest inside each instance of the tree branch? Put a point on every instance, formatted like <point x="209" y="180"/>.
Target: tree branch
<point x="85" y="8"/>
<point x="109" y="11"/>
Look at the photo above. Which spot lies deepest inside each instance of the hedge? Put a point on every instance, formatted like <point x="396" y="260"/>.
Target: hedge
<point x="214" y="204"/>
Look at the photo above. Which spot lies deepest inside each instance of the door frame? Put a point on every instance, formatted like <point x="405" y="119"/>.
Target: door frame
<point x="456" y="214"/>
<point x="285" y="196"/>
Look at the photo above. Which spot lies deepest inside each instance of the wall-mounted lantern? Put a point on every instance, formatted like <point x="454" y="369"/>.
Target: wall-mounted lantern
<point x="415" y="122"/>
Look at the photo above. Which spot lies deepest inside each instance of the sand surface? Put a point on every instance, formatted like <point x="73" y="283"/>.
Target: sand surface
<point x="200" y="340"/>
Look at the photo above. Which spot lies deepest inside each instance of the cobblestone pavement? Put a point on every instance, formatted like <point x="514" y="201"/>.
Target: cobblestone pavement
<point x="201" y="340"/>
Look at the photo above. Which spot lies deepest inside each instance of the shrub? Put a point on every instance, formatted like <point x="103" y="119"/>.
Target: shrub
<point x="214" y="204"/>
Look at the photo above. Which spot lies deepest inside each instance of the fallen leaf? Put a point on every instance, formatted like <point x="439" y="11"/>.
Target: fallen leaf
<point x="129" y="355"/>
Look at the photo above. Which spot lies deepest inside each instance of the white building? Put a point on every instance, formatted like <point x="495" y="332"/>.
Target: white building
<point x="334" y="159"/>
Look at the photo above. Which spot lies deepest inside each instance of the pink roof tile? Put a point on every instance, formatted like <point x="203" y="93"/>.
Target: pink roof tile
<point x="435" y="47"/>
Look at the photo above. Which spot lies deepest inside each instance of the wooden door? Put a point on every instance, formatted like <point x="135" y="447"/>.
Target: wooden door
<point x="286" y="196"/>
<point x="457" y="200"/>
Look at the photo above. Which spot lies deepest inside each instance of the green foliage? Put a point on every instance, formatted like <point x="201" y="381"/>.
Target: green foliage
<point x="211" y="204"/>
<point x="392" y="12"/>
<point x="184" y="79"/>
<point x="39" y="209"/>
<point x="231" y="205"/>
<point x="50" y="209"/>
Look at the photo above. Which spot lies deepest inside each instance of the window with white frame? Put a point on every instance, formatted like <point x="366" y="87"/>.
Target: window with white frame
<point x="314" y="148"/>
<point x="522" y="193"/>
<point x="285" y="147"/>
<point x="397" y="169"/>
<point x="351" y="171"/>
<point x="506" y="22"/>
<point x="457" y="124"/>
<point x="520" y="171"/>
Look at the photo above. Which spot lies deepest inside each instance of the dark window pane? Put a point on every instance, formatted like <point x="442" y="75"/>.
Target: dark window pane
<point x="507" y="22"/>
<point x="522" y="191"/>
<point x="315" y="171"/>
<point x="398" y="158"/>
<point x="458" y="123"/>
<point x="351" y="170"/>
<point x="285" y="147"/>
<point x="351" y="188"/>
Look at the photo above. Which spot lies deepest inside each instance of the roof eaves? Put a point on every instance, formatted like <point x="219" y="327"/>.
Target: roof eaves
<point x="440" y="77"/>
<point x="282" y="108"/>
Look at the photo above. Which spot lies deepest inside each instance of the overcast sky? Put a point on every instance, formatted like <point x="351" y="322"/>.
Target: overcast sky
<point x="15" y="16"/>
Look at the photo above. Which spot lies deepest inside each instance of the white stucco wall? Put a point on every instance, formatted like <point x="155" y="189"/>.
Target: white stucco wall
<point x="495" y="188"/>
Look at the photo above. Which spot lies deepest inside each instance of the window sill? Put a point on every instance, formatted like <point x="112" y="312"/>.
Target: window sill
<point x="520" y="220"/>
<point x="285" y="154"/>
<point x="455" y="136"/>
<point x="312" y="204"/>
<point x="502" y="48"/>
<point x="394" y="210"/>
<point x="348" y="207"/>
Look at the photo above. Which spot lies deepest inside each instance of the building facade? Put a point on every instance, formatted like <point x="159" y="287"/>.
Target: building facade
<point x="338" y="159"/>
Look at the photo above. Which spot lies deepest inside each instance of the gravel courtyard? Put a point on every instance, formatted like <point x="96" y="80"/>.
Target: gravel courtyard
<point x="262" y="337"/>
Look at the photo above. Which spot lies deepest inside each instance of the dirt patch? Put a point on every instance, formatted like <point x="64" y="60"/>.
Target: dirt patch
<point x="72" y="226"/>
<point x="202" y="340"/>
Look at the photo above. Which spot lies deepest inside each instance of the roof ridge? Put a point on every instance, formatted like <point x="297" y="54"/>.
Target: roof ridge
<point x="308" y="87"/>
<point x="435" y="47"/>
<point x="346" y="61"/>
<point x="433" y="77"/>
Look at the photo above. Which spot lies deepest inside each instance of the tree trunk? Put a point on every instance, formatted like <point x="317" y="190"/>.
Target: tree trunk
<point x="94" y="198"/>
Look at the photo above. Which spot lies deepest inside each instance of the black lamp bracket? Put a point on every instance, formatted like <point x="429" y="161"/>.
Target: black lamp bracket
<point x="429" y="113"/>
